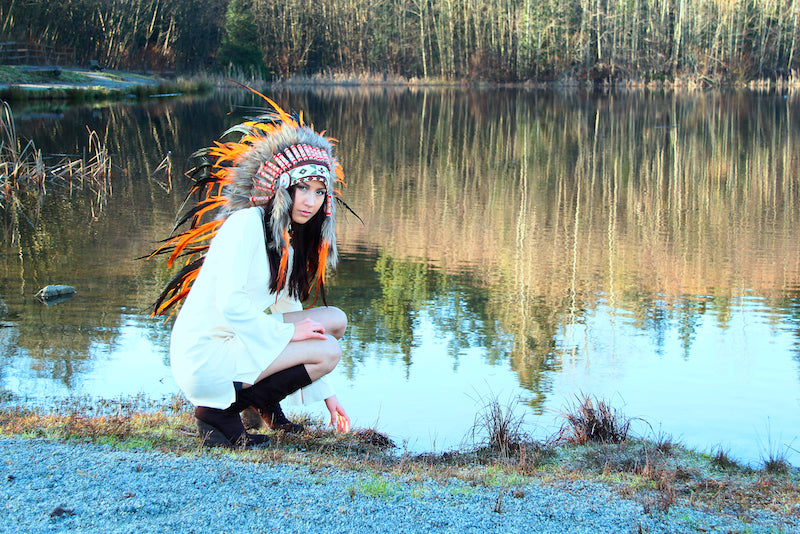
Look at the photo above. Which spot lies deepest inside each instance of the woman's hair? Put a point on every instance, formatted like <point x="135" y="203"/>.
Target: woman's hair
<point x="305" y="240"/>
<point x="275" y="150"/>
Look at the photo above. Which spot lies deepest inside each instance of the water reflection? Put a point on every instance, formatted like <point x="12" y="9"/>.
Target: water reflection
<point x="641" y="247"/>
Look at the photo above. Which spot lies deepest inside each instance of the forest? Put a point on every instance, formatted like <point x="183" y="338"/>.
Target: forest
<point x="700" y="41"/>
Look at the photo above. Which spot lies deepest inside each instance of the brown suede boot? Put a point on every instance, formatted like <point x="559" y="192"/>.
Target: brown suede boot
<point x="265" y="396"/>
<point x="272" y="417"/>
<point x="224" y="428"/>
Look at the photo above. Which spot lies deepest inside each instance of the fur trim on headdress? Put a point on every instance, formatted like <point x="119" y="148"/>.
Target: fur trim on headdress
<point x="275" y="151"/>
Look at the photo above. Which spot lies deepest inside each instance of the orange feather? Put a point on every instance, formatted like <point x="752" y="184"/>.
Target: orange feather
<point x="201" y="233"/>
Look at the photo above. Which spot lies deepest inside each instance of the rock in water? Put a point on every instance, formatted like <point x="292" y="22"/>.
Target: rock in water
<point x="51" y="292"/>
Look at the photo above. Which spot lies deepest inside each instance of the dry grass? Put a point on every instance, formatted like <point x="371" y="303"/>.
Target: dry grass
<point x="497" y="427"/>
<point x="167" y="425"/>
<point x="659" y="473"/>
<point x="25" y="174"/>
<point x="777" y="465"/>
<point x="721" y="459"/>
<point x="594" y="420"/>
<point x="23" y="167"/>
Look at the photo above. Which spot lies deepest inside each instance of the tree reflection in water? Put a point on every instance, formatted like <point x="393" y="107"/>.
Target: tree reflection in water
<point x="639" y="246"/>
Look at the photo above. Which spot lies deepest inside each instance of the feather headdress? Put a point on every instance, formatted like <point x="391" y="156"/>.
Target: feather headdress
<point x="275" y="151"/>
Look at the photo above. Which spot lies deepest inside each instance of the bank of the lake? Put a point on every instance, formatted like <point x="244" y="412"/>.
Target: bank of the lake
<point x="111" y="468"/>
<point x="23" y="83"/>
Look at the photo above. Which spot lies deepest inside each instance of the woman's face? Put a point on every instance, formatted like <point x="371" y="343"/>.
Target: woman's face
<point x="308" y="199"/>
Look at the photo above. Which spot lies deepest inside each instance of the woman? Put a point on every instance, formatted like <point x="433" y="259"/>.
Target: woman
<point x="271" y="244"/>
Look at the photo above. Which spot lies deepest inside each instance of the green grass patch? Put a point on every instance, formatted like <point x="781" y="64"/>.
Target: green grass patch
<point x="89" y="88"/>
<point x="10" y="75"/>
<point x="461" y="491"/>
<point x="379" y="487"/>
<point x="498" y="477"/>
<point x="14" y="75"/>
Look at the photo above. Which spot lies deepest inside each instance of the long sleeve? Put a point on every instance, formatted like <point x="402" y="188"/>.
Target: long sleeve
<point x="255" y="329"/>
<point x="222" y="333"/>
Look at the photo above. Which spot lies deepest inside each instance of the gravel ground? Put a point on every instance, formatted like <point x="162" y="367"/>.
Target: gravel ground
<point x="54" y="487"/>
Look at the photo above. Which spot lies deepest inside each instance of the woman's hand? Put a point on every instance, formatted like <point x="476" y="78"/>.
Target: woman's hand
<point x="308" y="329"/>
<point x="339" y="419"/>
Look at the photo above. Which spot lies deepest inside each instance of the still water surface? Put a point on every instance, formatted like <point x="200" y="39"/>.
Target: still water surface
<point x="523" y="245"/>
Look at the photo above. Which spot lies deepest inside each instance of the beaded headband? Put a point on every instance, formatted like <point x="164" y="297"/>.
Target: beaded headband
<point x="297" y="163"/>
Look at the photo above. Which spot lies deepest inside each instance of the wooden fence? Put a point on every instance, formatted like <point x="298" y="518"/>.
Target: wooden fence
<point x="16" y="53"/>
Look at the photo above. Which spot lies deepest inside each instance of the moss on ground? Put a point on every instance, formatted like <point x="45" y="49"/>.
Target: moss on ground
<point x="14" y="75"/>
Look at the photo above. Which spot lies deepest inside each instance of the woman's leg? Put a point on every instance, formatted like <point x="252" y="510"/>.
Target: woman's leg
<point x="316" y="356"/>
<point x="333" y="319"/>
<point x="319" y="356"/>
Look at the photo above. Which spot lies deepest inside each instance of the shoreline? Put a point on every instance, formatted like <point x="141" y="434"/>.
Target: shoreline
<point x="660" y="485"/>
<point x="79" y="85"/>
<point x="26" y="83"/>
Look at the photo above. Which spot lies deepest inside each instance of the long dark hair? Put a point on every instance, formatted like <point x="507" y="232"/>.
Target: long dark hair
<point x="305" y="240"/>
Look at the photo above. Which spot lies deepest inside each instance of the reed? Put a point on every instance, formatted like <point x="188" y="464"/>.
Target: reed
<point x="498" y="427"/>
<point x="21" y="167"/>
<point x="24" y="172"/>
<point x="162" y="174"/>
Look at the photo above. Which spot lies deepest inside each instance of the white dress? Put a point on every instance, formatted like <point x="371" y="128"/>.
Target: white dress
<point x="222" y="333"/>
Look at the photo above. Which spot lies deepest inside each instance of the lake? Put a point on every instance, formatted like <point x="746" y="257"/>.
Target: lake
<point x="527" y="246"/>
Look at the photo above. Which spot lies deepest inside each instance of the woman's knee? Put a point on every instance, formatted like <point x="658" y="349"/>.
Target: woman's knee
<point x="331" y="355"/>
<point x="336" y="320"/>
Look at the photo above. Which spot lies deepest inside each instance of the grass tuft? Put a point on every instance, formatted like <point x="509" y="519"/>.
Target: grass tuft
<point x="665" y="443"/>
<point x="498" y="427"/>
<point x="378" y="487"/>
<point x="721" y="459"/>
<point x="593" y="420"/>
<point x="775" y="461"/>
<point x="776" y="464"/>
